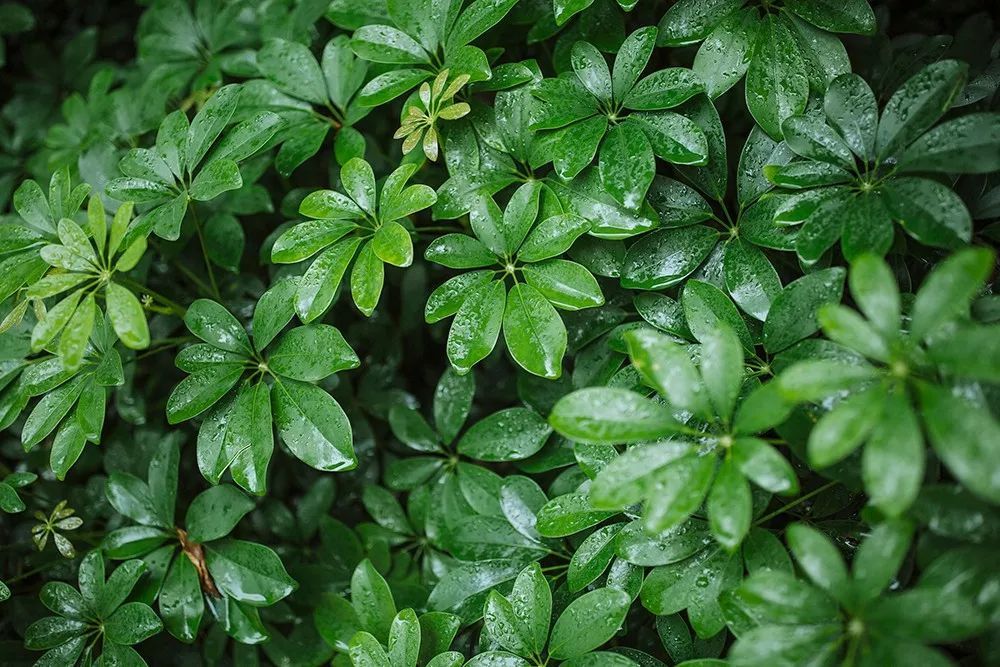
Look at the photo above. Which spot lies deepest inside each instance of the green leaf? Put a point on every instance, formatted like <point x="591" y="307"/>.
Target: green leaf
<point x="667" y="367"/>
<point x="843" y="429"/>
<point x="690" y="21"/>
<point x="311" y="353"/>
<point x="929" y="211"/>
<point x="392" y="244"/>
<point x="550" y="238"/>
<point x="248" y="441"/>
<point x="631" y="60"/>
<point x="459" y="251"/>
<point x="893" y="460"/>
<point x="132" y="497"/>
<point x="627" y="165"/>
<point x="813" y="139"/>
<point x="293" y="69"/>
<point x="879" y="557"/>
<point x="224" y="241"/>
<point x="201" y="390"/>
<point x="605" y="415"/>
<point x="215" y="512"/>
<point x="313" y="425"/>
<point x="729" y="505"/>
<point x="127" y="317"/>
<point x="592" y="557"/>
<point x="336" y="620"/>
<point x="535" y="334"/>
<point x="918" y="104"/>
<point x="777" y="85"/>
<point x="329" y="205"/>
<point x="367" y="278"/>
<point x="181" y="603"/>
<point x="705" y="306"/>
<point x="519" y="216"/>
<point x="73" y="341"/>
<point x="853" y="16"/>
<point x="215" y="325"/>
<point x="852" y="110"/>
<point x="54" y="321"/>
<point x="366" y="651"/>
<point x="507" y="435"/>
<point x="248" y="137"/>
<point x="131" y="623"/>
<point x="474" y="332"/>
<point x="388" y="86"/>
<point x="385" y="44"/>
<point x="218" y="176"/>
<point x="819" y="559"/>
<point x="592" y="70"/>
<point x="765" y="466"/>
<point x="404" y="639"/>
<point x="926" y="616"/>
<point x="666" y="257"/>
<point x="793" y="315"/>
<point x="568" y="514"/>
<point x="970" y="144"/>
<point x="319" y="285"/>
<point x="273" y="311"/>
<point x="724" y="57"/>
<point x="372" y="600"/>
<point x="574" y="146"/>
<point x="663" y="89"/>
<point x="965" y="436"/>
<point x="589" y="621"/>
<point x="874" y="290"/>
<point x="247" y="572"/>
<point x="566" y="285"/>
<point x="948" y="290"/>
<point x="478" y="17"/>
<point x="208" y="124"/>
<point x="750" y="278"/>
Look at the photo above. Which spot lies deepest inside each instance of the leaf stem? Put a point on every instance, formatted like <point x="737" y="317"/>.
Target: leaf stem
<point x="801" y="499"/>
<point x="204" y="253"/>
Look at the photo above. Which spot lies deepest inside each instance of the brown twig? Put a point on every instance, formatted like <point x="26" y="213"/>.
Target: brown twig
<point x="196" y="555"/>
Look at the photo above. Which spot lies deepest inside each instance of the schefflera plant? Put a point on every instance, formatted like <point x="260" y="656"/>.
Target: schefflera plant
<point x="893" y="383"/>
<point x="86" y="263"/>
<point x="191" y="161"/>
<point x="94" y="624"/>
<point x="786" y="50"/>
<point x="845" y="617"/>
<point x="252" y="384"/>
<point x="699" y="442"/>
<point x="370" y="631"/>
<point x="861" y="170"/>
<point x="518" y="625"/>
<point x="426" y="37"/>
<point x="623" y="119"/>
<point x="509" y="244"/>
<point x="194" y="564"/>
<point x="20" y="244"/>
<point x="365" y="225"/>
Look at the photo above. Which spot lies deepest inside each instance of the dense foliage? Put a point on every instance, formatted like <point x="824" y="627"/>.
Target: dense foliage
<point x="500" y="333"/>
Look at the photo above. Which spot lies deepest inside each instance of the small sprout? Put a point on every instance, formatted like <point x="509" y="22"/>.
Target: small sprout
<point x="60" y="519"/>
<point x="436" y="100"/>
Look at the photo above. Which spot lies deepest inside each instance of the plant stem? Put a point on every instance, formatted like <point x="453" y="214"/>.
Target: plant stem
<point x="204" y="253"/>
<point x="794" y="503"/>
<point x="172" y="305"/>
